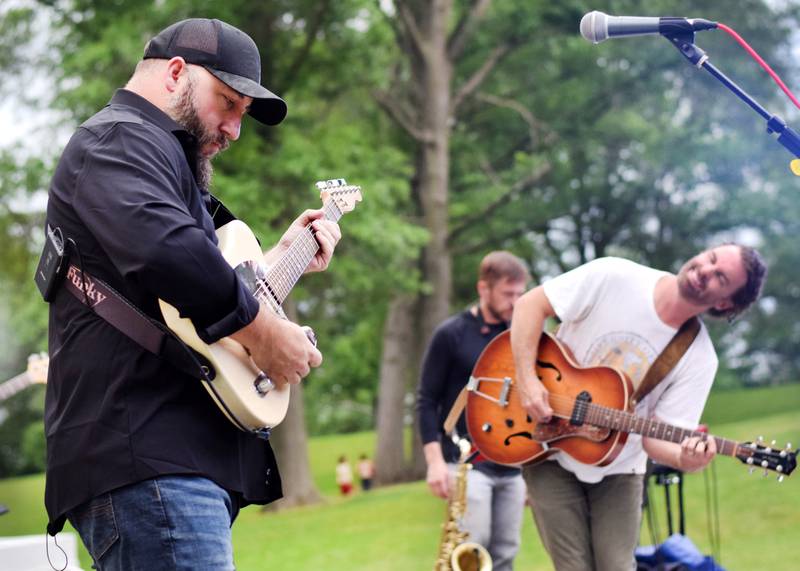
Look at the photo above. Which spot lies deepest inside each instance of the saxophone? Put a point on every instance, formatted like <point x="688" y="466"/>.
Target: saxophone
<point x="455" y="552"/>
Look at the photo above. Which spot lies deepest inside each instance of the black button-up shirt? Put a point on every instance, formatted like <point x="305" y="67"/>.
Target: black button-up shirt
<point x="451" y="355"/>
<point x="124" y="191"/>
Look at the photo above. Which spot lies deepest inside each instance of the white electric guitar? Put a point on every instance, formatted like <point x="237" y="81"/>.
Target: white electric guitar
<point x="35" y="373"/>
<point x="241" y="389"/>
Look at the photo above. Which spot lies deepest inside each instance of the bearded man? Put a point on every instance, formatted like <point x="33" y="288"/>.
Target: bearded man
<point x="495" y="494"/>
<point x="619" y="313"/>
<point x="139" y="459"/>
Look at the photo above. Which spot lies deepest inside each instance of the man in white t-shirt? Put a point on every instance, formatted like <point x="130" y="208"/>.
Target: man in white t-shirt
<point x="618" y="313"/>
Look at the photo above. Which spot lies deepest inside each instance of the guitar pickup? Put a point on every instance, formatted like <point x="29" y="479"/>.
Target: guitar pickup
<point x="581" y="407"/>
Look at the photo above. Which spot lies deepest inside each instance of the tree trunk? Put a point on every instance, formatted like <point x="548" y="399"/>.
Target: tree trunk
<point x="434" y="74"/>
<point x="290" y="442"/>
<point x="398" y="342"/>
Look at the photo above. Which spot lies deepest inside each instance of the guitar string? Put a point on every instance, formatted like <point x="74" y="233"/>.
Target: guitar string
<point x="595" y="413"/>
<point x="724" y="445"/>
<point x="305" y="240"/>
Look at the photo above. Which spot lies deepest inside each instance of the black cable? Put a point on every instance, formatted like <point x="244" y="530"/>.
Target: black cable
<point x="652" y="524"/>
<point x="83" y="277"/>
<point x="717" y="545"/>
<point x="712" y="510"/>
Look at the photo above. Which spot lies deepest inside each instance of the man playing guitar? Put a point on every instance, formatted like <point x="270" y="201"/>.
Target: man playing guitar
<point x="617" y="313"/>
<point x="139" y="459"/>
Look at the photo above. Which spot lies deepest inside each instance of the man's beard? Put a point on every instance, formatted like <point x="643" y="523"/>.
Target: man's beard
<point x="686" y="289"/>
<point x="182" y="109"/>
<point x="495" y="314"/>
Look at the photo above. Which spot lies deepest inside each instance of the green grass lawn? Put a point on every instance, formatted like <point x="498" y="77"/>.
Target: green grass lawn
<point x="398" y="527"/>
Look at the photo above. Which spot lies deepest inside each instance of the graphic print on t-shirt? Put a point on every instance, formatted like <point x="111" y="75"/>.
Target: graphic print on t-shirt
<point x="625" y="351"/>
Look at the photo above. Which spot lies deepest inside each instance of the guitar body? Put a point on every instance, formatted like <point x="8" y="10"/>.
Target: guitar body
<point x="242" y="391"/>
<point x="233" y="388"/>
<point x="505" y="433"/>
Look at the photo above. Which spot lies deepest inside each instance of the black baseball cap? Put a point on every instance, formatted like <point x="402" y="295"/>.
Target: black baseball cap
<point x="227" y="53"/>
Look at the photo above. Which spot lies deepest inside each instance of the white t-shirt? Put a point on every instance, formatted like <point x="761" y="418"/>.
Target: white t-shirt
<point x="344" y="474"/>
<point x="609" y="318"/>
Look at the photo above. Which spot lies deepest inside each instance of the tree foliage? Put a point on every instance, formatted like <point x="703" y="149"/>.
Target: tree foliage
<point x="558" y="150"/>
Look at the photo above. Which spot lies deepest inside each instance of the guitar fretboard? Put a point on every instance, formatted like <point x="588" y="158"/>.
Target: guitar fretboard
<point x="282" y="276"/>
<point x="14" y="385"/>
<point x="622" y="421"/>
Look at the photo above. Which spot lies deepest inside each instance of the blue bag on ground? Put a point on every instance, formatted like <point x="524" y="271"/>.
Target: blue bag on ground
<point x="676" y="553"/>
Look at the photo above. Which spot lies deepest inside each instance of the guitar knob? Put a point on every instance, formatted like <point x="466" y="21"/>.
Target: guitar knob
<point x="310" y="335"/>
<point x="263" y="383"/>
<point x="486" y="427"/>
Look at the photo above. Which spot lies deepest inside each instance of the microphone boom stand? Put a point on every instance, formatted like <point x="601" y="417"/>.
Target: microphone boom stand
<point x="684" y="42"/>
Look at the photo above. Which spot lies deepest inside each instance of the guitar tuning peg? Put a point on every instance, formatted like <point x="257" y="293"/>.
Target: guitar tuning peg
<point x="772" y="443"/>
<point x="764" y="463"/>
<point x="788" y="446"/>
<point x="760" y="440"/>
<point x="749" y="459"/>
<point x="750" y="471"/>
<point x="780" y="478"/>
<point x="765" y="474"/>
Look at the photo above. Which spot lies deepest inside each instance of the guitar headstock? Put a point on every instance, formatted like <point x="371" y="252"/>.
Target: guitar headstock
<point x="37" y="367"/>
<point x="344" y="195"/>
<point x="759" y="454"/>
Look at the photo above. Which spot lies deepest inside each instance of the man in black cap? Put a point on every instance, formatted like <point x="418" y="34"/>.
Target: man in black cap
<point x="140" y="460"/>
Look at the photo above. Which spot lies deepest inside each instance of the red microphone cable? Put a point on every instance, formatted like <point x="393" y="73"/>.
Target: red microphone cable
<point x="761" y="62"/>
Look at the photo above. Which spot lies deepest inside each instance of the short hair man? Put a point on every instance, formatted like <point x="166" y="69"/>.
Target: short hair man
<point x="495" y="494"/>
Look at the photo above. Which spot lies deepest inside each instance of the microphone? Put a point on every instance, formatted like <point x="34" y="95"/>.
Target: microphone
<point x="597" y="26"/>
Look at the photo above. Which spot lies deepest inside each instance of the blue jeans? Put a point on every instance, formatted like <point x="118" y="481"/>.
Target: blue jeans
<point x="164" y="524"/>
<point x="495" y="507"/>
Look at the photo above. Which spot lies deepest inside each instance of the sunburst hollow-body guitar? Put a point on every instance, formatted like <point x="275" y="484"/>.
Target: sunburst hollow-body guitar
<point x="592" y="413"/>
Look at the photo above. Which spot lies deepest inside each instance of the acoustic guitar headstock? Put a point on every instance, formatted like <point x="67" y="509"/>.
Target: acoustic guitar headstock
<point x="759" y="454"/>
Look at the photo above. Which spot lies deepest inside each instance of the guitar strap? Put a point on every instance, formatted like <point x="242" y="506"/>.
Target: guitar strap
<point x="455" y="411"/>
<point x="148" y="333"/>
<point x="668" y="358"/>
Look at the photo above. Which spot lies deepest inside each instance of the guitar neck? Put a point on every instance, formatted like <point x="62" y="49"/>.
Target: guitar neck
<point x="282" y="276"/>
<point x="14" y="385"/>
<point x="627" y="422"/>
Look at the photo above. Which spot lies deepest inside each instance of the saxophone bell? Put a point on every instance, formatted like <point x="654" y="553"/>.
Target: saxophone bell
<point x="470" y="556"/>
<point x="455" y="552"/>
